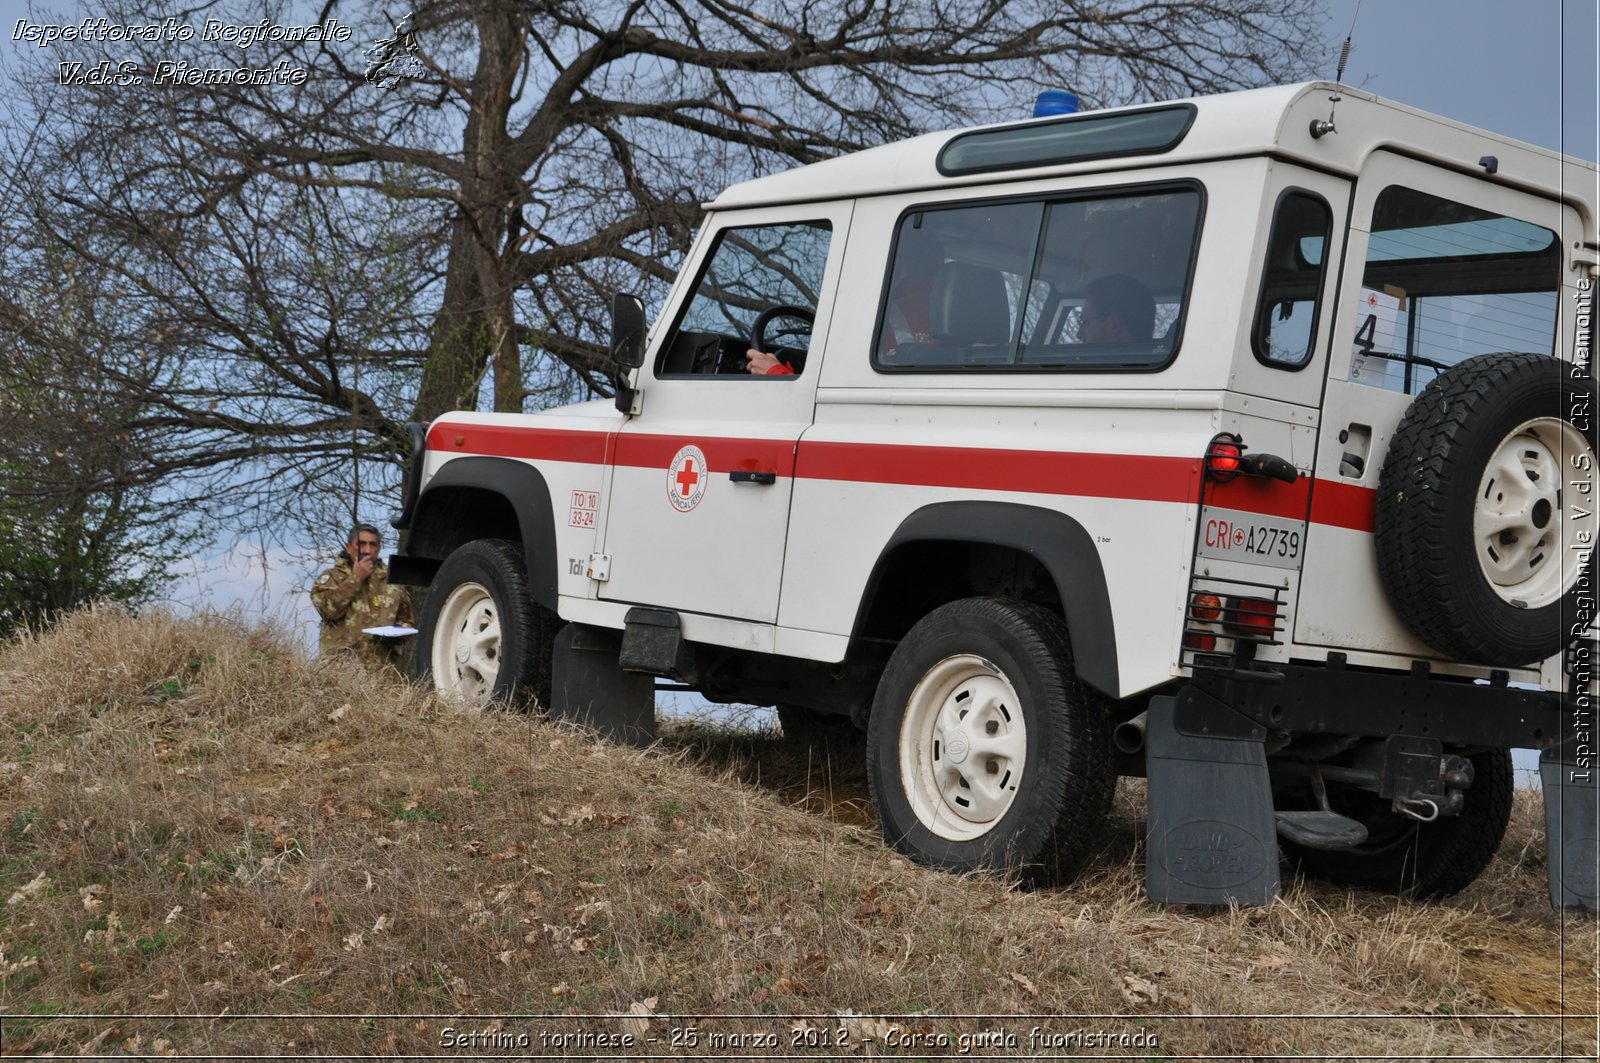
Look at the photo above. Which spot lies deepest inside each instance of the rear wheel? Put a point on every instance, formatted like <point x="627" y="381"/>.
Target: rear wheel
<point x="1403" y="855"/>
<point x="482" y="638"/>
<point x="984" y="751"/>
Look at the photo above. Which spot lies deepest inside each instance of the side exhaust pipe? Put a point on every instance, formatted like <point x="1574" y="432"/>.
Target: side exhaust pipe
<point x="1128" y="736"/>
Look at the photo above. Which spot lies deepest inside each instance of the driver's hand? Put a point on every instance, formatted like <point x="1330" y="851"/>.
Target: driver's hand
<point x="759" y="363"/>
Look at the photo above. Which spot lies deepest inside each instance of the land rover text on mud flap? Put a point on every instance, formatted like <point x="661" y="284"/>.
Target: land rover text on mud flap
<point x="1243" y="442"/>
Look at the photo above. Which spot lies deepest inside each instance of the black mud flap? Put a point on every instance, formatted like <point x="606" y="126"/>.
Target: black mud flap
<point x="1211" y="835"/>
<point x="1572" y="822"/>
<point x="653" y="642"/>
<point x="591" y="689"/>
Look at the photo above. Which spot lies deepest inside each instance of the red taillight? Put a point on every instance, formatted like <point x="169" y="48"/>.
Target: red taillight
<point x="1254" y="616"/>
<point x="1194" y="640"/>
<point x="1207" y="607"/>
<point x="1223" y="456"/>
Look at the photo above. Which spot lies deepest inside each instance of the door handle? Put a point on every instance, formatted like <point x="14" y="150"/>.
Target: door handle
<point x="745" y="476"/>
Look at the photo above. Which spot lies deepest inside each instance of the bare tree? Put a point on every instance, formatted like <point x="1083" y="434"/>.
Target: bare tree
<point x="80" y="520"/>
<point x="313" y="262"/>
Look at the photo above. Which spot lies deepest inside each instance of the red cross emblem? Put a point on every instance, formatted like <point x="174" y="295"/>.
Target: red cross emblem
<point x="686" y="478"/>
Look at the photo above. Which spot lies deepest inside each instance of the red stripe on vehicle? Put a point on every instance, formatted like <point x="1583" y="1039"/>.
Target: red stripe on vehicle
<point x="1344" y="506"/>
<point x="723" y="454"/>
<point x="1270" y="498"/>
<point x="1130" y="476"/>
<point x="551" y="444"/>
<point x="1154" y="479"/>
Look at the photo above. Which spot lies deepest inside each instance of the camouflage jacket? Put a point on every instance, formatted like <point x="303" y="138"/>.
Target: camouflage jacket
<point x="347" y="605"/>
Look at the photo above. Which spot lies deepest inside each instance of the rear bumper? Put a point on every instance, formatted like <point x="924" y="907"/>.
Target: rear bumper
<point x="1305" y="699"/>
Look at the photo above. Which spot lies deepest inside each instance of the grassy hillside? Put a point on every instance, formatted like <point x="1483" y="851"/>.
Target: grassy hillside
<point x="210" y="845"/>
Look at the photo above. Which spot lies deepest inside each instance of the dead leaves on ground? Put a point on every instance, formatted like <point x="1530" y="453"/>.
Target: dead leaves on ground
<point x="637" y="1022"/>
<point x="1139" y="992"/>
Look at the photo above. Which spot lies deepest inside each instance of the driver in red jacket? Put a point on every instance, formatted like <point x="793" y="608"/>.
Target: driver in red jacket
<point x="760" y="363"/>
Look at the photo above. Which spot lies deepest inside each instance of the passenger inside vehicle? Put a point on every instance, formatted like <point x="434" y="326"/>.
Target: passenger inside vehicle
<point x="1117" y="309"/>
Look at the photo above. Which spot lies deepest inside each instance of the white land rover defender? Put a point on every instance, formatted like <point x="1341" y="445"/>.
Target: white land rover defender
<point x="1243" y="442"/>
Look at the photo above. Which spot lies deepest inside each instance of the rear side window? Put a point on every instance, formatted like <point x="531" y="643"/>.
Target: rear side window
<point x="1444" y="281"/>
<point x="1291" y="282"/>
<point x="1093" y="283"/>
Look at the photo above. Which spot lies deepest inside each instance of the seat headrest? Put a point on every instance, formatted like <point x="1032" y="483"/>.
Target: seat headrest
<point x="970" y="305"/>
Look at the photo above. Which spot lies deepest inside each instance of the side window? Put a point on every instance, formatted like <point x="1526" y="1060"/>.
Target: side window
<point x="1291" y="282"/>
<point x="956" y="286"/>
<point x="758" y="289"/>
<point x="1091" y="283"/>
<point x="1445" y="281"/>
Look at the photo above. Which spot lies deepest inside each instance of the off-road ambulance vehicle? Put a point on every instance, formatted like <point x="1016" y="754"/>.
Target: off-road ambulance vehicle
<point x="1242" y="442"/>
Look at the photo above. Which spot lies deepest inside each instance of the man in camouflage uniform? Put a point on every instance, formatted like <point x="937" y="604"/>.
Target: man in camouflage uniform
<point x="355" y="594"/>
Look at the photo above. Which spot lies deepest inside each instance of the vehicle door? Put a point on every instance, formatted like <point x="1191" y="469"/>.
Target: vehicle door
<point x="1439" y="266"/>
<point x="703" y="475"/>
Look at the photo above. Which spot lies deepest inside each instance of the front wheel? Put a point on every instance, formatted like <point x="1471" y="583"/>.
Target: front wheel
<point x="482" y="638"/>
<point x="984" y="750"/>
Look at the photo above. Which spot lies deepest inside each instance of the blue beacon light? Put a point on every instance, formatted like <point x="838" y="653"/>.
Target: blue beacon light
<point x="1053" y="102"/>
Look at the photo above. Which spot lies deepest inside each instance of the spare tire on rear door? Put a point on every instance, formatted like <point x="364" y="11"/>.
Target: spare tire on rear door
<point x="1483" y="533"/>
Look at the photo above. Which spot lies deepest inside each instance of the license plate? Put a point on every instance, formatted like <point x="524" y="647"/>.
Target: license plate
<point x="1234" y="535"/>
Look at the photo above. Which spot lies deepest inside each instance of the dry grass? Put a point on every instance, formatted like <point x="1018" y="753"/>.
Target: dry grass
<point x="213" y="846"/>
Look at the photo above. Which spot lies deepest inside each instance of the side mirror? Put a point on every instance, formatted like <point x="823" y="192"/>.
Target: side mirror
<point x="627" y="330"/>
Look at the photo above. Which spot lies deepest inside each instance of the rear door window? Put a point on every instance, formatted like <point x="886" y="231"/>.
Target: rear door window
<point x="1445" y="281"/>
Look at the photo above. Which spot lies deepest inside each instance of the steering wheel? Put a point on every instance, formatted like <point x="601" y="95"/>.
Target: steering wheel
<point x="758" y="329"/>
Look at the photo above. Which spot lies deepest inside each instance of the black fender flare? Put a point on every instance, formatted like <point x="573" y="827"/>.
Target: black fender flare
<point x="525" y="489"/>
<point x="1055" y="540"/>
<point x="417" y="434"/>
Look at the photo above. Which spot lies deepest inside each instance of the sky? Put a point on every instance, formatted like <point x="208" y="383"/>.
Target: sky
<point x="1529" y="72"/>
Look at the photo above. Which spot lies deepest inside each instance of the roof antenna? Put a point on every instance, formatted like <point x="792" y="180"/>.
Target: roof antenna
<point x="1322" y="127"/>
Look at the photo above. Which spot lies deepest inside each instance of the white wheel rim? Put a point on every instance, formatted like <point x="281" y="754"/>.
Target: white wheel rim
<point x="963" y="746"/>
<point x="1524" y="532"/>
<point x="466" y="645"/>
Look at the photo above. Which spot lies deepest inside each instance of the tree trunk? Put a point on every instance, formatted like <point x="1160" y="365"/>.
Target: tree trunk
<point x="458" y="346"/>
<point x="475" y="328"/>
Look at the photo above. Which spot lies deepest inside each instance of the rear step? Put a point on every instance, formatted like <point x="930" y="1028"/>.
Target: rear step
<point x="1321" y="830"/>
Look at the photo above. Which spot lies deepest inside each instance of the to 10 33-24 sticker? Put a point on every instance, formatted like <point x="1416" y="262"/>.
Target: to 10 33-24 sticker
<point x="585" y="504"/>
